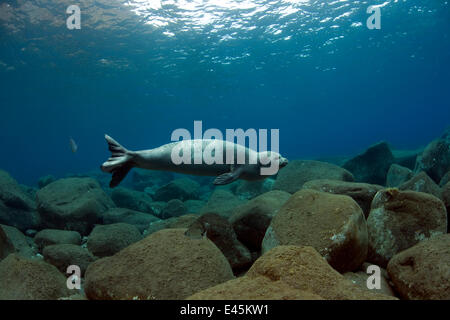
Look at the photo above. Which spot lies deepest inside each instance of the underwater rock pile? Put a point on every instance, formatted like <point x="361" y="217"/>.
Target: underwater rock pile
<point x="312" y="232"/>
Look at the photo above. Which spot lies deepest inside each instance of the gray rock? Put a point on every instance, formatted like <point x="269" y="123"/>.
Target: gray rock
<point x="435" y="159"/>
<point x="64" y="255"/>
<point x="72" y="204"/>
<point x="131" y="199"/>
<point x="17" y="209"/>
<point x="297" y="172"/>
<point x="398" y="175"/>
<point x="142" y="179"/>
<point x="400" y="219"/>
<point x="194" y="206"/>
<point x="222" y="202"/>
<point x="19" y="241"/>
<point x="107" y="240"/>
<point x="251" y="189"/>
<point x="251" y="220"/>
<point x="139" y="219"/>
<point x="174" y="208"/>
<point x="48" y="237"/>
<point x="182" y="189"/>
<point x="372" y="165"/>
<point x="421" y="182"/>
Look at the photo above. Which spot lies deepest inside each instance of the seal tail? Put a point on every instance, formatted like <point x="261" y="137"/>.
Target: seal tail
<point x="120" y="162"/>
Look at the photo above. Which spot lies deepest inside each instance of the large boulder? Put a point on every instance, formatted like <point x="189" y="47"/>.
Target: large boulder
<point x="333" y="224"/>
<point x="17" y="209"/>
<point x="372" y="165"/>
<point x="43" y="181"/>
<point x="142" y="179"/>
<point x="362" y="277"/>
<point x="251" y="220"/>
<point x="19" y="241"/>
<point x="435" y="159"/>
<point x="422" y="272"/>
<point x="65" y="255"/>
<point x="173" y="208"/>
<point x="24" y="279"/>
<point x="107" y="240"/>
<point x="362" y="193"/>
<point x="194" y="206"/>
<point x="139" y="219"/>
<point x="222" y="202"/>
<point x="445" y="179"/>
<point x="446" y="199"/>
<point x="48" y="237"/>
<point x="164" y="265"/>
<point x="182" y="189"/>
<point x="251" y="189"/>
<point x="398" y="175"/>
<point x="421" y="182"/>
<point x="400" y="219"/>
<point x="290" y="272"/>
<point x="131" y="199"/>
<point x="219" y="230"/>
<point x="72" y="204"/>
<point x="297" y="172"/>
<point x="184" y="221"/>
<point x="6" y="247"/>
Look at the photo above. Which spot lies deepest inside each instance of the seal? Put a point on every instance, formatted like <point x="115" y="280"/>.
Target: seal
<point x="226" y="160"/>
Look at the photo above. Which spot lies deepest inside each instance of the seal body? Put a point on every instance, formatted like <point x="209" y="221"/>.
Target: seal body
<point x="204" y="157"/>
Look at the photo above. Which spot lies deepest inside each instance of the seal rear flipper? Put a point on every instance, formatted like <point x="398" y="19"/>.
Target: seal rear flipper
<point x="120" y="162"/>
<point x="228" y="177"/>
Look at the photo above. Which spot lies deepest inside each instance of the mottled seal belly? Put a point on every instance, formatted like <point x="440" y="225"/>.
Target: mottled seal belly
<point x="204" y="157"/>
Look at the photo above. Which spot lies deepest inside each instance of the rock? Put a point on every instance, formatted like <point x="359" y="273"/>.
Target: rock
<point x="250" y="189"/>
<point x="131" y="199"/>
<point x="360" y="278"/>
<point x="220" y="231"/>
<point x="19" y="241"/>
<point x="48" y="237"/>
<point x="107" y="240"/>
<point x="222" y="202"/>
<point x="446" y="198"/>
<point x="297" y="172"/>
<point x="72" y="204"/>
<point x="139" y="219"/>
<point x="164" y="265"/>
<point x="43" y="181"/>
<point x="421" y="182"/>
<point x="172" y="223"/>
<point x="398" y="175"/>
<point x="182" y="189"/>
<point x="29" y="191"/>
<point x="289" y="272"/>
<point x="435" y="159"/>
<point x="194" y="206"/>
<point x="372" y="165"/>
<point x="64" y="255"/>
<point x="333" y="224"/>
<point x="6" y="247"/>
<point x="174" y="208"/>
<point x="400" y="219"/>
<point x="17" y="209"/>
<point x="142" y="179"/>
<point x="362" y="193"/>
<point x="406" y="158"/>
<point x="445" y="179"/>
<point x="251" y="220"/>
<point x="157" y="208"/>
<point x="24" y="279"/>
<point x="422" y="272"/>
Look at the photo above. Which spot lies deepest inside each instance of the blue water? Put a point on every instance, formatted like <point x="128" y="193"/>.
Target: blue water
<point x="137" y="70"/>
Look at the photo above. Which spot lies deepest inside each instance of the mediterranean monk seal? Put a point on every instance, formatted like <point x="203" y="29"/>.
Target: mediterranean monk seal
<point x="182" y="157"/>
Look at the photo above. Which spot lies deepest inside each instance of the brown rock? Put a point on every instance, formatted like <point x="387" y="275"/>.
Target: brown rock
<point x="362" y="193"/>
<point x="164" y="265"/>
<point x="64" y="255"/>
<point x="360" y="278"/>
<point x="251" y="220"/>
<point x="422" y="272"/>
<point x="333" y="224"/>
<point x="222" y="202"/>
<point x="421" y="182"/>
<point x="48" y="237"/>
<point x="398" y="175"/>
<point x="297" y="172"/>
<point x="24" y="279"/>
<point x="400" y="219"/>
<point x="290" y="272"/>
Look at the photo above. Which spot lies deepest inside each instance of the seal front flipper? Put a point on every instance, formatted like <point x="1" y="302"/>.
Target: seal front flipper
<point x="228" y="177"/>
<point x="120" y="162"/>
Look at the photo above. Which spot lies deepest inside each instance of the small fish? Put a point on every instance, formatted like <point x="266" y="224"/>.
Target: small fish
<point x="73" y="145"/>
